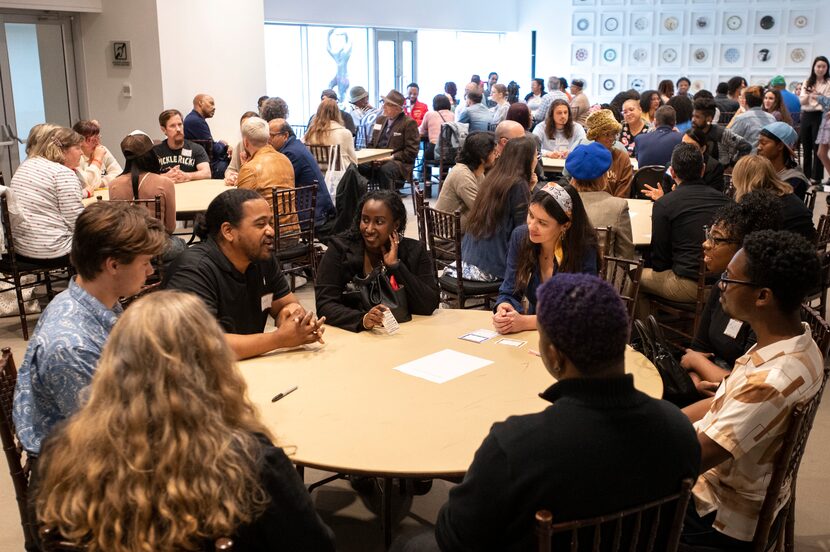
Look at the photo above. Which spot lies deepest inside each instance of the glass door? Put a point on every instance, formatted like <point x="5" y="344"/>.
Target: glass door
<point x="37" y="80"/>
<point x="395" y="60"/>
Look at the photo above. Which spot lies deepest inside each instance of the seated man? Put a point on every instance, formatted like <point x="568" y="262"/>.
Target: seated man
<point x="98" y="167"/>
<point x="741" y="428"/>
<point x="112" y="246"/>
<point x="655" y="147"/>
<point x="476" y="115"/>
<point x="677" y="222"/>
<point x="234" y="271"/>
<point x="748" y="124"/>
<point x="196" y="128"/>
<point x="306" y="170"/>
<point x="395" y="131"/>
<point x="179" y="159"/>
<point x="776" y="142"/>
<point x="363" y="115"/>
<point x="601" y="447"/>
<point x="721" y="143"/>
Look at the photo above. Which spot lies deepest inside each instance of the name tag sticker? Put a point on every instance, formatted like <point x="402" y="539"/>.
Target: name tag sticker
<point x="265" y="302"/>
<point x="733" y="328"/>
<point x="396" y="134"/>
<point x="376" y="126"/>
<point x="187" y="152"/>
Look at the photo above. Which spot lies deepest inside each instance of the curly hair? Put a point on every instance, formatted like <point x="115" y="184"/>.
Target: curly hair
<point x="164" y="454"/>
<point x="783" y="262"/>
<point x="274" y="108"/>
<point x="757" y="210"/>
<point x="392" y="201"/>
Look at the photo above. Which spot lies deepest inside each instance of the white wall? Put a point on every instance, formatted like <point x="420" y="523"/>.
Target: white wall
<point x="102" y="100"/>
<point x="425" y="14"/>
<point x="216" y="48"/>
<point x="57" y="5"/>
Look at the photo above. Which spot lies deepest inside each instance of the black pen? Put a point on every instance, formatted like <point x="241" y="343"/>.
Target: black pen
<point x="278" y="396"/>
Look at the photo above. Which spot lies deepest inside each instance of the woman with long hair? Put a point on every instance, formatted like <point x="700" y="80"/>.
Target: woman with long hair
<point x="520" y="113"/>
<point x="775" y="106"/>
<point x="666" y="90"/>
<point x="501" y="206"/>
<point x="558" y="237"/>
<point x="499" y="95"/>
<point x="813" y="89"/>
<point x="557" y="133"/>
<point x="753" y="172"/>
<point x="169" y="453"/>
<point x="327" y="129"/>
<point x="649" y="102"/>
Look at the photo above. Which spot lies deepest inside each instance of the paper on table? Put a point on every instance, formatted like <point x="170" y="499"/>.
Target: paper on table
<point x="443" y="366"/>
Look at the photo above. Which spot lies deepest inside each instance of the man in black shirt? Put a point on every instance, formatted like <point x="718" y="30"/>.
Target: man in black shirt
<point x="721" y="143"/>
<point x="677" y="222"/>
<point x="234" y="271"/>
<point x="180" y="160"/>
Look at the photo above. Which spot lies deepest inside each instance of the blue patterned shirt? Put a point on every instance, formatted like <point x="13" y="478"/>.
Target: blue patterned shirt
<point x="59" y="362"/>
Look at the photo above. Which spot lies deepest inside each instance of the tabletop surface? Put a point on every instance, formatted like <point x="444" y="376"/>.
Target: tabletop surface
<point x="556" y="165"/>
<point x="193" y="196"/>
<point x="353" y="413"/>
<point x="640" y="212"/>
<point x="370" y="154"/>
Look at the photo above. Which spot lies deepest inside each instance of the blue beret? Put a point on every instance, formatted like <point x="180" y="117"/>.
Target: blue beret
<point x="588" y="161"/>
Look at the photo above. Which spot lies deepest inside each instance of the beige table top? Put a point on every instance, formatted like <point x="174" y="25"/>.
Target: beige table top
<point x="191" y="197"/>
<point x="353" y="413"/>
<point x="640" y="212"/>
<point x="369" y="154"/>
<point x="556" y="165"/>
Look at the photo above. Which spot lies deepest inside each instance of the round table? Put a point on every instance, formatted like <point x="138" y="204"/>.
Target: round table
<point x="191" y="197"/>
<point x="353" y="413"/>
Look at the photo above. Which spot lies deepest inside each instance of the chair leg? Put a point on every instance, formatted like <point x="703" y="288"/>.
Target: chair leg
<point x="21" y="308"/>
<point x="47" y="280"/>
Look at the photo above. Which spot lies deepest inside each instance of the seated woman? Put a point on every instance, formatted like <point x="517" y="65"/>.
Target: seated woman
<point x="558" y="237"/>
<point x="499" y="95"/>
<point x="683" y="108"/>
<point x="558" y="133"/>
<point x="326" y="129"/>
<point x="500" y="207"/>
<point x="775" y="106"/>
<point x="51" y="194"/>
<point x="431" y="125"/>
<point x="633" y="124"/>
<point x="649" y="102"/>
<point x="721" y="340"/>
<point x="460" y="189"/>
<point x="186" y="460"/>
<point x="375" y="242"/>
<point x="753" y="172"/>
<point x="141" y="180"/>
<point x="587" y="166"/>
<point x="520" y="113"/>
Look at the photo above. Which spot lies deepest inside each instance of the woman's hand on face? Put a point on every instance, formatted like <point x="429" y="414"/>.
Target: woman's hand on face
<point x="374" y="317"/>
<point x="390" y="256"/>
<point x="505" y="319"/>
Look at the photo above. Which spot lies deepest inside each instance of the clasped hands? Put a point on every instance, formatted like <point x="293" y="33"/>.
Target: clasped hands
<point x="299" y="327"/>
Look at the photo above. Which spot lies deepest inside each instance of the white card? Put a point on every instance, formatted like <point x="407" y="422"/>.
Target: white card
<point x="479" y="336"/>
<point x="187" y="153"/>
<point x="443" y="366"/>
<point x="265" y="301"/>
<point x="511" y="342"/>
<point x="389" y="323"/>
<point x="733" y="328"/>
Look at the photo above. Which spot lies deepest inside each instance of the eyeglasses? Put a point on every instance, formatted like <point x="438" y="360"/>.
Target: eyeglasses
<point x="707" y="232"/>
<point x="725" y="280"/>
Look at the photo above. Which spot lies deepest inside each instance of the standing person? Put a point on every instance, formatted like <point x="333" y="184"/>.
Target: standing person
<point x="776" y="142"/>
<point x="192" y="450"/>
<point x="557" y="238"/>
<point x="534" y="98"/>
<point x="112" y="247"/>
<point x="775" y="106"/>
<point x="816" y="85"/>
<point x="463" y="183"/>
<point x="98" y="167"/>
<point x="579" y="102"/>
<point x="666" y="90"/>
<point x="396" y="131"/>
<point x="557" y="133"/>
<point x="414" y="108"/>
<point x="431" y="125"/>
<point x="633" y="125"/>
<point x="498" y="97"/>
<point x="196" y="128"/>
<point x="180" y="159"/>
<point x="327" y="129"/>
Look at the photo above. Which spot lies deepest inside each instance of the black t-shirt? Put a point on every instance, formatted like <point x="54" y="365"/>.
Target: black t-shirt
<point x="236" y="299"/>
<point x="187" y="157"/>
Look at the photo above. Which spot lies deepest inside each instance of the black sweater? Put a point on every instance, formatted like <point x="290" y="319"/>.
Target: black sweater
<point x="601" y="447"/>
<point x="344" y="260"/>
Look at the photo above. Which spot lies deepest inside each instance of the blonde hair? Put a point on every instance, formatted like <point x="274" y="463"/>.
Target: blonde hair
<point x="320" y="127"/>
<point x="56" y="144"/>
<point x="37" y="138"/>
<point x="163" y="455"/>
<point x="753" y="172"/>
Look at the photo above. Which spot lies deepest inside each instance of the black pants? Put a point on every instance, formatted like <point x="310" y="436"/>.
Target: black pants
<point x="387" y="175"/>
<point x="810" y="123"/>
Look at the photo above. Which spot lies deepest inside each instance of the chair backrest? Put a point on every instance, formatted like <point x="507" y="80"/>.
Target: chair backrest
<point x="324" y="155"/>
<point x="153" y="206"/>
<point x="418" y="205"/>
<point x="818" y="327"/>
<point x="651" y="175"/>
<point x="444" y="236"/>
<point x="823" y="233"/>
<point x="300" y="201"/>
<point x="624" y="276"/>
<point x="12" y="448"/>
<point x="7" y="229"/>
<point x="810" y="198"/>
<point x="299" y="130"/>
<point x="54" y="542"/>
<point x="725" y="117"/>
<point x="605" y="243"/>
<point x="639" y="527"/>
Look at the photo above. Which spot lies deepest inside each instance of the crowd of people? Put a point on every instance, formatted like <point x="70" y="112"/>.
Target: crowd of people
<point x="154" y="399"/>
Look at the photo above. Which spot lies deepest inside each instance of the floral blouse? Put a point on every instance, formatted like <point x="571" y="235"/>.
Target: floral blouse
<point x="627" y="138"/>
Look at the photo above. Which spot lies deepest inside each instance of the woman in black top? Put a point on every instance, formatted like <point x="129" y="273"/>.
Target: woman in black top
<point x="375" y="241"/>
<point x="720" y="340"/>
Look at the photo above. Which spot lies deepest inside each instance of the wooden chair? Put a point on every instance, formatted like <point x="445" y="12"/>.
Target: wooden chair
<point x="324" y="155"/>
<point x="680" y="320"/>
<point x="11" y="446"/>
<point x="53" y="542"/>
<point x="418" y="206"/>
<point x="624" y="276"/>
<point x="13" y="271"/>
<point x="810" y="198"/>
<point x="822" y="242"/>
<point x="605" y="243"/>
<point x="444" y="234"/>
<point x="293" y="243"/>
<point x="207" y="145"/>
<point x="639" y="528"/>
<point x="651" y="175"/>
<point x="299" y="130"/>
